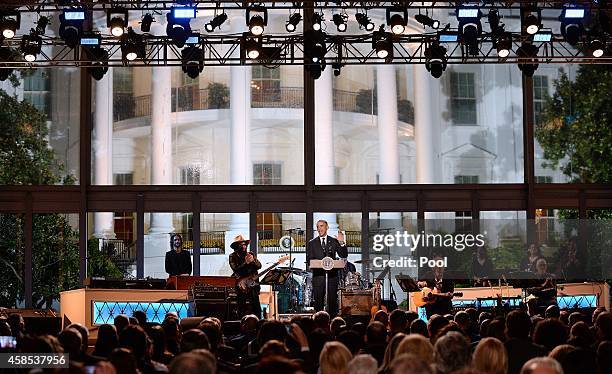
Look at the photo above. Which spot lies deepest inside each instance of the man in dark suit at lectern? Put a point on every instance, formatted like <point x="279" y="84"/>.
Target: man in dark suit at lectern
<point x="325" y="246"/>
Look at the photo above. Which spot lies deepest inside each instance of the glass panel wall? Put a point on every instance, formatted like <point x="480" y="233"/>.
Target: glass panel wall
<point x="12" y="260"/>
<point x="111" y="244"/>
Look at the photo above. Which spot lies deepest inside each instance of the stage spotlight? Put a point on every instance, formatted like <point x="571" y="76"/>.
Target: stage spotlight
<point x="117" y="21"/>
<point x="9" y="23"/>
<point x="397" y="19"/>
<point x="503" y="44"/>
<point x="340" y="21"/>
<point x="528" y="58"/>
<point x="317" y="20"/>
<point x="425" y="20"/>
<point x="494" y="22"/>
<point x="337" y="68"/>
<point x="145" y="23"/>
<point x="383" y="45"/>
<point x="435" y="59"/>
<point x="216" y="22"/>
<point x="258" y="21"/>
<point x="252" y="47"/>
<point x="293" y="22"/>
<point x="364" y="21"/>
<point x="31" y="46"/>
<point x="597" y="47"/>
<point x="6" y="55"/>
<point x="179" y="29"/>
<point x="192" y="61"/>
<point x="315" y="50"/>
<point x="41" y="25"/>
<point x="469" y="27"/>
<point x="71" y="26"/>
<point x="571" y="24"/>
<point x="132" y="46"/>
<point x="532" y="23"/>
<point x="99" y="59"/>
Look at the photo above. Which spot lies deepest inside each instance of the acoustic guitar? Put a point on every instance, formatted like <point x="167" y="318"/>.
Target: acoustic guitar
<point x="429" y="296"/>
<point x="249" y="281"/>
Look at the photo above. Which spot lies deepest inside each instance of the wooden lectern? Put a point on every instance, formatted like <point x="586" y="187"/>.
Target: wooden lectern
<point x="327" y="264"/>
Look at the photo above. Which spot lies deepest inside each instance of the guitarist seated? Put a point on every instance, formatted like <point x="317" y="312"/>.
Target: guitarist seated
<point x="243" y="264"/>
<point x="439" y="299"/>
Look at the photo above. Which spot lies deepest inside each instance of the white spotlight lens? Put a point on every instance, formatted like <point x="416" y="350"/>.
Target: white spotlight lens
<point x="257" y="30"/>
<point x="532" y="29"/>
<point x="316" y="26"/>
<point x="503" y="53"/>
<point x="8" y="33"/>
<point x="370" y="26"/>
<point x="598" y="53"/>
<point x="397" y="29"/>
<point x="290" y="27"/>
<point x="382" y="53"/>
<point x="253" y="54"/>
<point x="342" y="27"/>
<point x="29" y="57"/>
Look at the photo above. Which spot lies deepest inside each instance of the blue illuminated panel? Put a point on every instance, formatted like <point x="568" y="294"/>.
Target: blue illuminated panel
<point x="106" y="311"/>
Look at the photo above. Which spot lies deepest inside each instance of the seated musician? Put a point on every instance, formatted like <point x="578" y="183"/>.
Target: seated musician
<point x="533" y="255"/>
<point x="178" y="261"/>
<point x="545" y="293"/>
<point x="243" y="264"/>
<point x="482" y="268"/>
<point x="442" y="291"/>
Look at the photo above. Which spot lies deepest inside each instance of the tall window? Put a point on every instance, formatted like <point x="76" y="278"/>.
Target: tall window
<point x="123" y="179"/>
<point x="190" y="175"/>
<point x="543" y="179"/>
<point x="124" y="105"/>
<point x="463" y="98"/>
<point x="540" y="93"/>
<point x="265" y="86"/>
<point x="37" y="90"/>
<point x="463" y="219"/>
<point x="267" y="173"/>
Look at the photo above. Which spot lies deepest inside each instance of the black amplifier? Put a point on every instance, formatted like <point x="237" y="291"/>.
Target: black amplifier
<point x="206" y="292"/>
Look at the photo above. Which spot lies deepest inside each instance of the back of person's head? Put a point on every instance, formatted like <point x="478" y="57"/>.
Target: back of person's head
<point x="121" y="321"/>
<point x="141" y="316"/>
<point x="194" y="339"/>
<point x="171" y="327"/>
<point x="603" y="325"/>
<point x="316" y="341"/>
<point x="408" y="363"/>
<point x="271" y="330"/>
<point x="391" y="350"/>
<point x="418" y="345"/>
<point x="192" y="363"/>
<point x="575" y="317"/>
<point x="84" y="335"/>
<point x="124" y="361"/>
<point x="363" y="364"/>
<point x="248" y="323"/>
<point x="107" y="340"/>
<point x="351" y="340"/>
<point x="334" y="358"/>
<point x="321" y="320"/>
<point x="497" y="329"/>
<point x="436" y="323"/>
<point x="550" y="333"/>
<point x="273" y="348"/>
<point x="484" y="328"/>
<point x="336" y="324"/>
<point x="418" y="326"/>
<point x="462" y="319"/>
<point x="564" y="317"/>
<point x="359" y="328"/>
<point x="518" y="324"/>
<point x="452" y="352"/>
<point x="376" y="333"/>
<point x="212" y="329"/>
<point x="158" y="339"/>
<point x="560" y="352"/>
<point x="411" y="316"/>
<point x="579" y="361"/>
<point x="277" y="365"/>
<point x="490" y="356"/>
<point x="71" y="340"/>
<point x="382" y="317"/>
<point x="133" y="321"/>
<point x="542" y="365"/>
<point x="134" y="338"/>
<point x="552" y="311"/>
<point x="484" y="315"/>
<point x="604" y="357"/>
<point x="398" y="321"/>
<point x="581" y="335"/>
<point x="596" y="313"/>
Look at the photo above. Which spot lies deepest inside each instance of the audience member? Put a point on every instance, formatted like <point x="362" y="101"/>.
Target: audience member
<point x="550" y="333"/>
<point x="490" y="357"/>
<point x="362" y="364"/>
<point x="107" y="341"/>
<point x="542" y="365"/>
<point x="518" y="345"/>
<point x="121" y="321"/>
<point x="334" y="358"/>
<point x="376" y="341"/>
<point x="124" y="361"/>
<point x="418" y="326"/>
<point x="452" y="352"/>
<point x="194" y="339"/>
<point x="398" y="322"/>
<point x="417" y="345"/>
<point x="408" y="363"/>
<point x="391" y="351"/>
<point x="141" y="317"/>
<point x="191" y="363"/>
<point x="351" y="340"/>
<point x="322" y="320"/>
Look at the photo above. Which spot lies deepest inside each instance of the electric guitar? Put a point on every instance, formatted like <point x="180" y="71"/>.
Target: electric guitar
<point x="429" y="296"/>
<point x="249" y="281"/>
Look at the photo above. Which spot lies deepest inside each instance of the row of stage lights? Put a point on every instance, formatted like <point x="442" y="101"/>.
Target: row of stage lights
<point x="72" y="32"/>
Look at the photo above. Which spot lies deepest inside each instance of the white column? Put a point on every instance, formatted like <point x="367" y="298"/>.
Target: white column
<point x="423" y="125"/>
<point x="103" y="149"/>
<point x="325" y="170"/>
<point x="388" y="149"/>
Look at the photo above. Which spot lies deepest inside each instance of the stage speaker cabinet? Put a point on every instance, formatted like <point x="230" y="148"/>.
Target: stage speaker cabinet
<point x="356" y="303"/>
<point x="37" y="321"/>
<point x="210" y="308"/>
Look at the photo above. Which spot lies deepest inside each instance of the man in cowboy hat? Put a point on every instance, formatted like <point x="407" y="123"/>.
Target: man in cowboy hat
<point x="243" y="264"/>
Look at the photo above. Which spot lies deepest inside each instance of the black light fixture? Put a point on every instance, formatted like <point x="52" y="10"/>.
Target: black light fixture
<point x="145" y="23"/>
<point x="532" y="22"/>
<point x="9" y="24"/>
<point x="435" y="59"/>
<point x="317" y="21"/>
<point x="425" y="20"/>
<point x="470" y="27"/>
<point x="397" y="19"/>
<point x="382" y="43"/>
<point x="495" y="22"/>
<point x="117" y="21"/>
<point x="364" y="21"/>
<point x="528" y="58"/>
<point x="31" y="46"/>
<point x="132" y="46"/>
<point x="41" y="25"/>
<point x="315" y="50"/>
<point x="7" y="54"/>
<point x="71" y="26"/>
<point x="571" y="24"/>
<point x="503" y="44"/>
<point x="99" y="59"/>
<point x="251" y="47"/>
<point x="216" y="22"/>
<point x="293" y="22"/>
<point x="256" y="19"/>
<point x="597" y="46"/>
<point x="192" y="61"/>
<point x="178" y="26"/>
<point x="340" y="21"/>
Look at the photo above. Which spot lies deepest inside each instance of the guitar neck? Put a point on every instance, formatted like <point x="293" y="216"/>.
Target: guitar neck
<point x="266" y="270"/>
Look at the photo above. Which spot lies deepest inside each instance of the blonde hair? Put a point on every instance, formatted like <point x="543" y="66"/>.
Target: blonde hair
<point x="490" y="356"/>
<point x="334" y="358"/>
<point x="417" y="345"/>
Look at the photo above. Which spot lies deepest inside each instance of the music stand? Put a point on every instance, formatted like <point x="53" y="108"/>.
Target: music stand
<point x="327" y="264"/>
<point x="406" y="283"/>
<point x="275" y="277"/>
